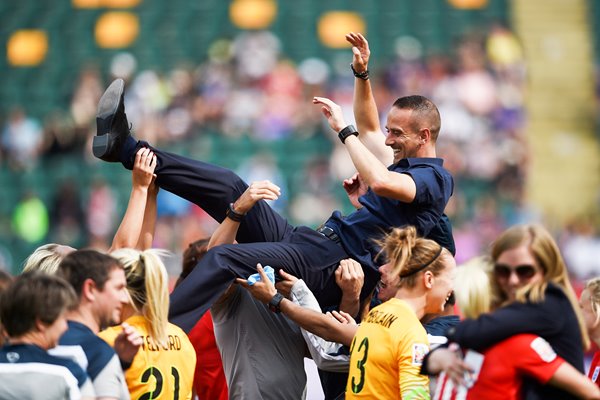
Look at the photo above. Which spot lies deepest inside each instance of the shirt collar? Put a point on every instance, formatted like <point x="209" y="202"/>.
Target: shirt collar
<point x="409" y="162"/>
<point x="78" y="325"/>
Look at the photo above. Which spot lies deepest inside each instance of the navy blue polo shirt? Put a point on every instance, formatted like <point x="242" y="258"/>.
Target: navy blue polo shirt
<point x="379" y="214"/>
<point x="83" y="346"/>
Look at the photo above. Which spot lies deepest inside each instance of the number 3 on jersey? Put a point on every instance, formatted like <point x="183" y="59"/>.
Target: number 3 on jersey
<point x="359" y="382"/>
<point x="155" y="372"/>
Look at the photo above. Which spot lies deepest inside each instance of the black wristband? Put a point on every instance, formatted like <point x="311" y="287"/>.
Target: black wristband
<point x="275" y="302"/>
<point x="232" y="214"/>
<point x="361" y="75"/>
<point x="347" y="131"/>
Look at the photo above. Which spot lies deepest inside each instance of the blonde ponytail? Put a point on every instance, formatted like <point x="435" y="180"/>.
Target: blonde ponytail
<point x="147" y="284"/>
<point x="398" y="246"/>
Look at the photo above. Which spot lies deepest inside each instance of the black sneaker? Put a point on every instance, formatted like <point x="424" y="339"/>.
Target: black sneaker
<point x="111" y="123"/>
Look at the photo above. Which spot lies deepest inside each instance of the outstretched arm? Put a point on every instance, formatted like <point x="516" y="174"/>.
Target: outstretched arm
<point x="147" y="235"/>
<point x="327" y="355"/>
<point x="372" y="171"/>
<point x="128" y="234"/>
<point x="227" y="231"/>
<point x="568" y="378"/>
<point x="322" y="325"/>
<point x="489" y="329"/>
<point x="365" y="109"/>
<point x="349" y="276"/>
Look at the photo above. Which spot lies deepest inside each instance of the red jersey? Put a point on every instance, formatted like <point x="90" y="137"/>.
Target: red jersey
<point x="209" y="378"/>
<point x="502" y="370"/>
<point x="595" y="369"/>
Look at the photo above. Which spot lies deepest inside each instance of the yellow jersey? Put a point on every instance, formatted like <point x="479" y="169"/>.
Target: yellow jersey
<point x="158" y="372"/>
<point x="386" y="355"/>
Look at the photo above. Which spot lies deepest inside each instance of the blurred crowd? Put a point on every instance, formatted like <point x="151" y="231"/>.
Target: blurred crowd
<point x="247" y="89"/>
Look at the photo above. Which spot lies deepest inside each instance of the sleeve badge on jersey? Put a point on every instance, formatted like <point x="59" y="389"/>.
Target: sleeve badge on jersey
<point x="543" y="349"/>
<point x="419" y="351"/>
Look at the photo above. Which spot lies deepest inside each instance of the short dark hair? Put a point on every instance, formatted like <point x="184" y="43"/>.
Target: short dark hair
<point x="5" y="279"/>
<point x="191" y="257"/>
<point x="34" y="296"/>
<point x="429" y="115"/>
<point x="80" y="265"/>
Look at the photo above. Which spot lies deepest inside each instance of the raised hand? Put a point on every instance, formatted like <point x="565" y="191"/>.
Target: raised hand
<point x="127" y="343"/>
<point x="143" y="168"/>
<point x="355" y="187"/>
<point x="259" y="190"/>
<point x="349" y="276"/>
<point x="332" y="112"/>
<point x="360" y="51"/>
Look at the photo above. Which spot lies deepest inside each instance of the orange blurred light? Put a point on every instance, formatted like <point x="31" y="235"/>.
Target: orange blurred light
<point x="117" y="29"/>
<point x="334" y="25"/>
<point x="86" y="3"/>
<point x="121" y="3"/>
<point x="105" y="3"/>
<point x="468" y="4"/>
<point x="27" y="47"/>
<point x="252" y="14"/>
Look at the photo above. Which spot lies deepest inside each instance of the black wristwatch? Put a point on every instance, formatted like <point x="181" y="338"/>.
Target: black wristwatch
<point x="234" y="215"/>
<point x="275" y="302"/>
<point x="347" y="131"/>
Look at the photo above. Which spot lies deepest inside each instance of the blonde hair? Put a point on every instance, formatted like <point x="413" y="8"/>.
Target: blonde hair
<point x="547" y="255"/>
<point x="593" y="288"/>
<point x="409" y="254"/>
<point x="45" y="258"/>
<point x="148" y="288"/>
<point x="472" y="287"/>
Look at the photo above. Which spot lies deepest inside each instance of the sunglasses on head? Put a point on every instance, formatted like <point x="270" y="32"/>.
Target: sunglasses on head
<point x="522" y="271"/>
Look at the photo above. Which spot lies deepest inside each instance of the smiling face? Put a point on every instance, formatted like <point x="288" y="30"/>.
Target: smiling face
<point x="516" y="268"/>
<point x="111" y="299"/>
<point x="387" y="285"/>
<point x="402" y="137"/>
<point x="442" y="287"/>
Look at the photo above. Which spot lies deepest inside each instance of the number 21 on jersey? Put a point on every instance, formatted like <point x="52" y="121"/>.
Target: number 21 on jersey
<point x="158" y="375"/>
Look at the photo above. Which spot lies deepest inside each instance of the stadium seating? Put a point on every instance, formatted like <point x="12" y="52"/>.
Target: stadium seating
<point x="181" y="31"/>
